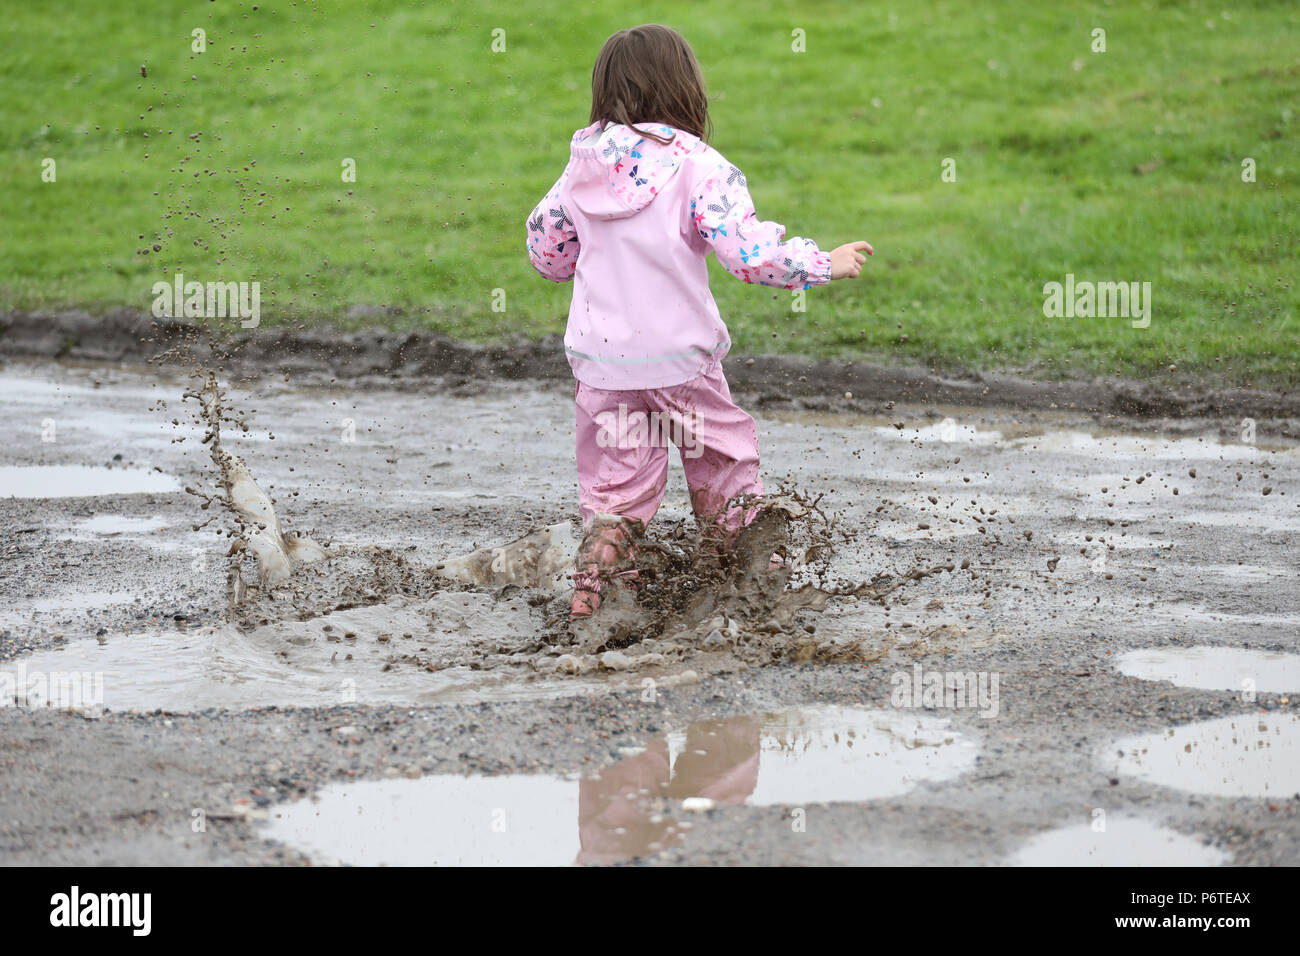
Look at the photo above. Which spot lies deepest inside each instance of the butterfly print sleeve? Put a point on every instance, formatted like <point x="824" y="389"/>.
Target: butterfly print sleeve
<point x="552" y="238"/>
<point x="750" y="249"/>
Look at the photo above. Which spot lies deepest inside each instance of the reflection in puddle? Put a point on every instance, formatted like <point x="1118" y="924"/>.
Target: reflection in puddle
<point x="816" y="755"/>
<point x="1215" y="668"/>
<point x="1124" y="842"/>
<point x="819" y="755"/>
<point x="512" y="820"/>
<point x="74" y="481"/>
<point x="110" y="524"/>
<point x="87" y="414"/>
<point x="1249" y="755"/>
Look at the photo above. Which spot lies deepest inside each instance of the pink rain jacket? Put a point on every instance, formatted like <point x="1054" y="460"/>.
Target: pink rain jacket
<point x="631" y="221"/>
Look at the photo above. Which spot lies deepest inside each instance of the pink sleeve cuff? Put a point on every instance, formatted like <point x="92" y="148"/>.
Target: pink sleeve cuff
<point x="820" y="273"/>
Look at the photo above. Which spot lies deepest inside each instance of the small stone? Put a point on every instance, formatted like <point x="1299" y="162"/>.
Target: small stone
<point x="715" y="640"/>
<point x="616" y="661"/>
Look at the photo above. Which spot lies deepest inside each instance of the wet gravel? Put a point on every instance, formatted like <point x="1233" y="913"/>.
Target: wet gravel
<point x="64" y="803"/>
<point x="440" y="472"/>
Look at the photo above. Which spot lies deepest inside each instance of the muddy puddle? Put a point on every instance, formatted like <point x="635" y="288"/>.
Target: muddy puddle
<point x="1248" y="755"/>
<point x="1121" y="841"/>
<point x="311" y="621"/>
<point x="638" y="807"/>
<point x="1233" y="621"/>
<point x="443" y="641"/>
<point x="453" y="646"/>
<point x="373" y="513"/>
<point x="1216" y="668"/>
<point x="81" y="481"/>
<point x="108" y="525"/>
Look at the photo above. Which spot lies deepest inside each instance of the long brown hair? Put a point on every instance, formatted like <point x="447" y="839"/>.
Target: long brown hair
<point x="649" y="74"/>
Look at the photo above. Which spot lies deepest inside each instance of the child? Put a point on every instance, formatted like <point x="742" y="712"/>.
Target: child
<point x="642" y="201"/>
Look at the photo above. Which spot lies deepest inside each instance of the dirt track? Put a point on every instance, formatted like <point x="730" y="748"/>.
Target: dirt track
<point x="1071" y="562"/>
<point x="320" y="354"/>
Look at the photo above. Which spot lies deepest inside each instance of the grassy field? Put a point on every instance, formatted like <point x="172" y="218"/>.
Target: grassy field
<point x="1123" y="165"/>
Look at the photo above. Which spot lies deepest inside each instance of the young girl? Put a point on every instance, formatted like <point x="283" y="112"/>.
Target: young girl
<point x="642" y="201"/>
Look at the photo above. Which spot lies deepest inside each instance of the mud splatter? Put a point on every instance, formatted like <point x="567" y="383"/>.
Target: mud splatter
<point x="292" y="576"/>
<point x="258" y="525"/>
<point x="694" y="604"/>
<point x="540" y="559"/>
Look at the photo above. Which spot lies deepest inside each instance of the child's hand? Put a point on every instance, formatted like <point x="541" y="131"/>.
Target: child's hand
<point x="847" y="260"/>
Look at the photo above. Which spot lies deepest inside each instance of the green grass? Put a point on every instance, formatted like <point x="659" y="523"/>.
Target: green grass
<point x="454" y="144"/>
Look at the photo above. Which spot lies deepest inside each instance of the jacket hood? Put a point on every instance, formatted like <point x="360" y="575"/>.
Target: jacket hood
<point x="616" y="172"/>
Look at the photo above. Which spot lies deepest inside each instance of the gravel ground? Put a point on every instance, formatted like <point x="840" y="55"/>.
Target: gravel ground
<point x="1070" y="562"/>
